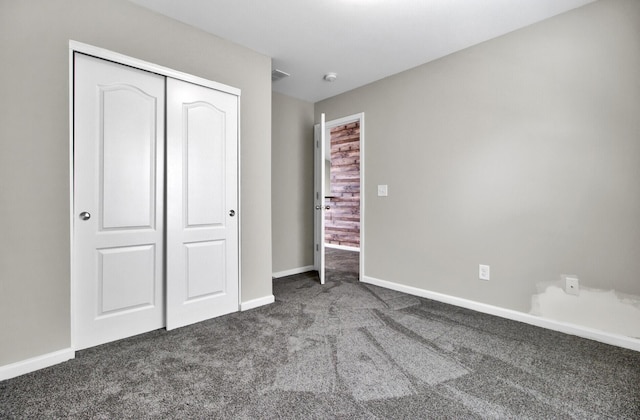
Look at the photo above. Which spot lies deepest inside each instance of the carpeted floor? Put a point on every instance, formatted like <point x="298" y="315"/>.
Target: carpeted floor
<point x="342" y="350"/>
<point x="337" y="260"/>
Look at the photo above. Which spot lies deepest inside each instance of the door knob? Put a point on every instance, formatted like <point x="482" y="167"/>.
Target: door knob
<point x="85" y="215"/>
<point x="318" y="207"/>
<point x="327" y="207"/>
<point x="232" y="213"/>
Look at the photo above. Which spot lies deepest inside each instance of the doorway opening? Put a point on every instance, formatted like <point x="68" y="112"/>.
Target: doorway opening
<point x="342" y="199"/>
<point x="339" y="197"/>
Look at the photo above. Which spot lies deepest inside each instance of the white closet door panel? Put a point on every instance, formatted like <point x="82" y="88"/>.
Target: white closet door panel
<point x="202" y="227"/>
<point x="118" y="181"/>
<point x="204" y="164"/>
<point x="205" y="263"/>
<point x="128" y="157"/>
<point x="126" y="279"/>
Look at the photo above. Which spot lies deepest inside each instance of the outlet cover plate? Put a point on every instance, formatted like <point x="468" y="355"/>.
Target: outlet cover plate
<point x="572" y="285"/>
<point x="383" y="191"/>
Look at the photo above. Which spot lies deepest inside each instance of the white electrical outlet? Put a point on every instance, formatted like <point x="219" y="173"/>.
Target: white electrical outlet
<point x="383" y="191"/>
<point x="572" y="285"/>
<point x="484" y="272"/>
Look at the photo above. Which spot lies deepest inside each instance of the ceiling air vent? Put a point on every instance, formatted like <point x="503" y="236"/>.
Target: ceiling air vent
<point x="278" y="74"/>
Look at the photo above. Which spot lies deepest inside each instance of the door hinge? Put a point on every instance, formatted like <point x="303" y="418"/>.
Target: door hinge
<point x="317" y="247"/>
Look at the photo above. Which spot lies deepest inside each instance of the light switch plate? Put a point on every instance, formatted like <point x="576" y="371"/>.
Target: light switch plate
<point x="383" y="191"/>
<point x="484" y="272"/>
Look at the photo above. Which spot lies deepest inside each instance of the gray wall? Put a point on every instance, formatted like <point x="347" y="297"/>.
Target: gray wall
<point x="292" y="183"/>
<point x="34" y="150"/>
<point x="522" y="153"/>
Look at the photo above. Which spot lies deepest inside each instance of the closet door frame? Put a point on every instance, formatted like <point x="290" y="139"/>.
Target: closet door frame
<point x="75" y="46"/>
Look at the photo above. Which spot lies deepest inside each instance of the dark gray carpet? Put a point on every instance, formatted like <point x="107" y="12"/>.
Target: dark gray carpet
<point x="342" y="350"/>
<point x="342" y="261"/>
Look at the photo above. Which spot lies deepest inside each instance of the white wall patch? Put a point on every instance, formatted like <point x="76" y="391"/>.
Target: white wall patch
<point x="599" y="309"/>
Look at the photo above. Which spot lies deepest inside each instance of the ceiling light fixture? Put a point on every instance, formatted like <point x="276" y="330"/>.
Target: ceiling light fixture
<point x="330" y="77"/>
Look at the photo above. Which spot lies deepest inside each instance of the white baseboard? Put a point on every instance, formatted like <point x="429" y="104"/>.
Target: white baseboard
<point x="342" y="247"/>
<point x="255" y="303"/>
<point x="35" y="363"/>
<point x="293" y="271"/>
<point x="564" y="327"/>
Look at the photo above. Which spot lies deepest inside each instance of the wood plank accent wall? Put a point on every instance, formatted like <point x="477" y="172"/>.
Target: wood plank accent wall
<point x="342" y="221"/>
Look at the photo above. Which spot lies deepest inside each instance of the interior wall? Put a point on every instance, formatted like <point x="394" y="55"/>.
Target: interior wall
<point x="292" y="183"/>
<point x="34" y="150"/>
<point x="522" y="153"/>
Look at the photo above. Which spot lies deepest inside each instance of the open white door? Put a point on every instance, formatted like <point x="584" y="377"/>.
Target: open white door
<point x="319" y="193"/>
<point x="202" y="202"/>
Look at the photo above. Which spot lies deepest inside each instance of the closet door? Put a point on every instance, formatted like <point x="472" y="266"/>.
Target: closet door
<point x="118" y="201"/>
<point x="202" y="200"/>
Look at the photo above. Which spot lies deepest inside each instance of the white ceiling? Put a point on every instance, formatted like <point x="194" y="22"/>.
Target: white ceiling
<point x="361" y="40"/>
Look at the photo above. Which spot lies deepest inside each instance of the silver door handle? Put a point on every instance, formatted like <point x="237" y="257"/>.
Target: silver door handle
<point x="318" y="207"/>
<point x="327" y="207"/>
<point x="85" y="215"/>
<point x="232" y="213"/>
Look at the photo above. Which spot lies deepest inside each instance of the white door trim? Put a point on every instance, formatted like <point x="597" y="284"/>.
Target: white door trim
<point x="335" y="123"/>
<point x="75" y="46"/>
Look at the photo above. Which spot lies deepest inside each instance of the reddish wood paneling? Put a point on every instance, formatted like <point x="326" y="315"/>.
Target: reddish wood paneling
<point x="342" y="221"/>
